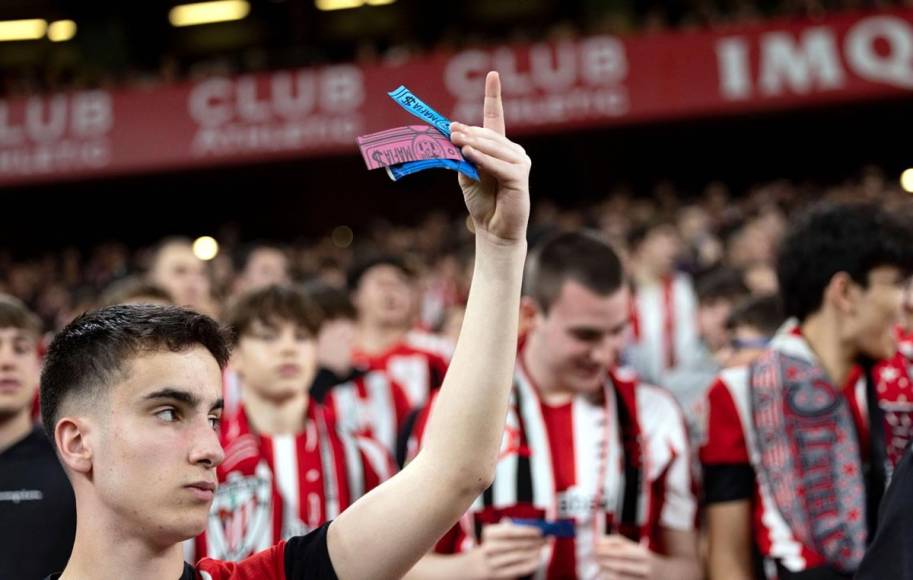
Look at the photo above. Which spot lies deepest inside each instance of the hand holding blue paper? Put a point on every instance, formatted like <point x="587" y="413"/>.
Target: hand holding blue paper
<point x="498" y="196"/>
<point x="419" y="150"/>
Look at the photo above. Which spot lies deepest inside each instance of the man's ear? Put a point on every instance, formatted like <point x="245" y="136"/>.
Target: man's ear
<point x="529" y="314"/>
<point x="841" y="293"/>
<point x="71" y="436"/>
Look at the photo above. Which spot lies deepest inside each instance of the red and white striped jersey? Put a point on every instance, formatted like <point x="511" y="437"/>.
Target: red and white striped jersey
<point x="664" y="329"/>
<point x="273" y="488"/>
<point x="569" y="463"/>
<point x="369" y="405"/>
<point x="418" y="363"/>
<point x="731" y="454"/>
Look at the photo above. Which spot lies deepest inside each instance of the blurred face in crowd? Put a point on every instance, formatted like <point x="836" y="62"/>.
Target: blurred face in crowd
<point x="753" y="244"/>
<point x="276" y="359"/>
<point x="335" y="342"/>
<point x="761" y="280"/>
<point x="693" y="222"/>
<point x="872" y="313"/>
<point x="385" y="297"/>
<point x="659" y="250"/>
<point x="711" y="319"/>
<point x="147" y="448"/>
<point x="579" y="339"/>
<point x="182" y="274"/>
<point x="265" y="267"/>
<point x="20" y="368"/>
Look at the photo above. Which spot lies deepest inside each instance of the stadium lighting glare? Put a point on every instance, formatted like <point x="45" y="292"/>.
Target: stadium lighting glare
<point x="342" y="236"/>
<point x="327" y="5"/>
<point x="61" y="30"/>
<point x="205" y="248"/>
<point x="208" y="12"/>
<point x="30" y="29"/>
<point x="906" y="180"/>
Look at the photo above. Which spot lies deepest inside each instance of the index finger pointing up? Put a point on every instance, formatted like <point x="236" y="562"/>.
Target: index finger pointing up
<point x="493" y="109"/>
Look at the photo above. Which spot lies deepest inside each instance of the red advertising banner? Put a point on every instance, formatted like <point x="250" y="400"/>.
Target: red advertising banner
<point x="588" y="82"/>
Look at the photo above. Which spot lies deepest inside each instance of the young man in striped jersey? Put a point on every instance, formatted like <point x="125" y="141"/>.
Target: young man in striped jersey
<point x="287" y="468"/>
<point x="664" y="307"/>
<point x="132" y="395"/>
<point x="363" y="401"/>
<point x="384" y="291"/>
<point x="585" y="444"/>
<point x="793" y="470"/>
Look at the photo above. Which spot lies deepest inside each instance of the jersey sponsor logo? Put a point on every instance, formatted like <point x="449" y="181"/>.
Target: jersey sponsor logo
<point x="241" y="514"/>
<point x="574" y="503"/>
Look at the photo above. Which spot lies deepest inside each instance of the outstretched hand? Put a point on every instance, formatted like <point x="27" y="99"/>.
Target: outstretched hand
<point x="499" y="202"/>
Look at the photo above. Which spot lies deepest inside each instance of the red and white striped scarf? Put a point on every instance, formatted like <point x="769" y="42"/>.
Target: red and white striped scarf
<point x="609" y="494"/>
<point x="809" y="452"/>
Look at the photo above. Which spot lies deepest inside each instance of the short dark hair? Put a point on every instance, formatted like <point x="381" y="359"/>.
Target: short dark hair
<point x="269" y="305"/>
<point x="130" y="288"/>
<point x="636" y="235"/>
<point x="332" y="302"/>
<point x="15" y="314"/>
<point x="89" y="352"/>
<point x="578" y="256"/>
<point x="763" y="313"/>
<point x="854" y="237"/>
<point x="721" y="283"/>
<point x="361" y="267"/>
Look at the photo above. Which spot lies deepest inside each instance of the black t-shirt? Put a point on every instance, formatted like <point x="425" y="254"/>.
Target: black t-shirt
<point x="891" y="553"/>
<point x="300" y="558"/>
<point x="37" y="510"/>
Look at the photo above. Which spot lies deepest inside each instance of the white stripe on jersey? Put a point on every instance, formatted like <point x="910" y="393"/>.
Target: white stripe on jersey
<point x="347" y="407"/>
<point x="353" y="468"/>
<point x="504" y="491"/>
<point x="381" y="409"/>
<point x="378" y="458"/>
<point x="431" y="342"/>
<point x="285" y="461"/>
<point x="664" y="434"/>
<point x="330" y="472"/>
<point x="648" y="355"/>
<point x="412" y="373"/>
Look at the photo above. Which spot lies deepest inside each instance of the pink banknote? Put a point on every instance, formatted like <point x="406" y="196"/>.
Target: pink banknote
<point x="405" y="144"/>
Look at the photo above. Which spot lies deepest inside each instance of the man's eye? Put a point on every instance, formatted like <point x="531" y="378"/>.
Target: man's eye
<point x="169" y="415"/>
<point x="214" y="422"/>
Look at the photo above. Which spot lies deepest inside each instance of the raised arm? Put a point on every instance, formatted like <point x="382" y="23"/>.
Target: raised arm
<point x="384" y="533"/>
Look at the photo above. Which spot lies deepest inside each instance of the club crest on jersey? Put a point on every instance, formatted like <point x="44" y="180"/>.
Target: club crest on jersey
<point x="240" y="521"/>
